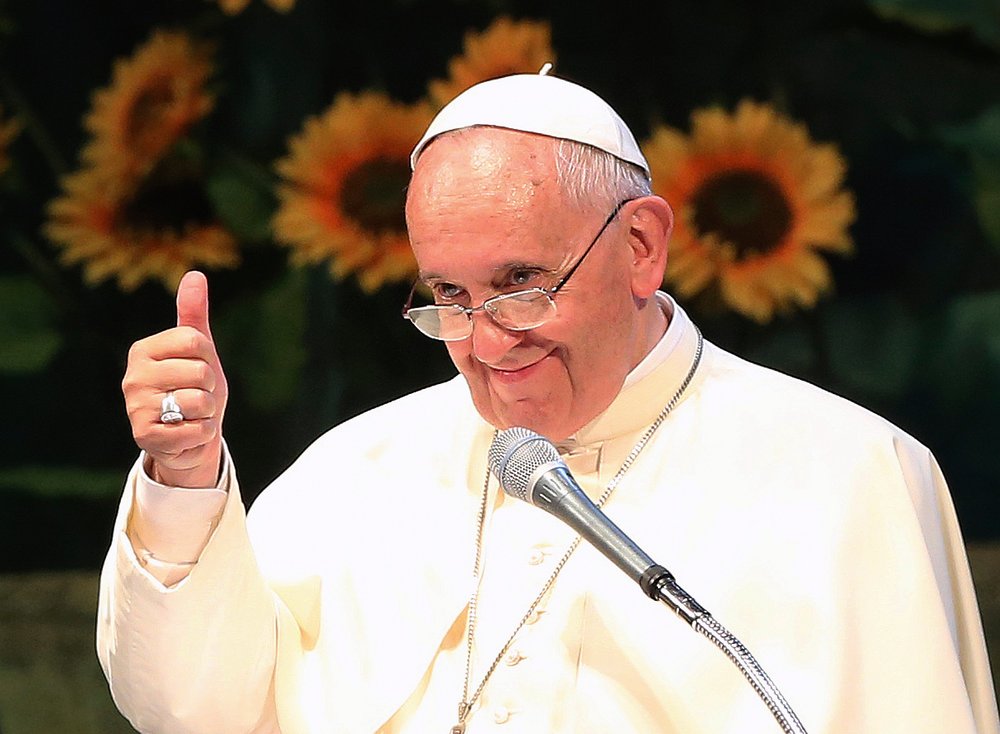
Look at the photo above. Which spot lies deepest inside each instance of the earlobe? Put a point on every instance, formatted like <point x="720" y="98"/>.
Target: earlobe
<point x="649" y="233"/>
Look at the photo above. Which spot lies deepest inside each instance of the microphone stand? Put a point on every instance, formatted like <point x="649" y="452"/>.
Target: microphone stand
<point x="659" y="584"/>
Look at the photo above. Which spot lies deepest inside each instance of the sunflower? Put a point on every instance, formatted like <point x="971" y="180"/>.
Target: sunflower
<point x="344" y="187"/>
<point x="506" y="47"/>
<point x="153" y="99"/>
<point x="757" y="202"/>
<point x="157" y="229"/>
<point x="235" y="7"/>
<point x="8" y="131"/>
<point x="137" y="208"/>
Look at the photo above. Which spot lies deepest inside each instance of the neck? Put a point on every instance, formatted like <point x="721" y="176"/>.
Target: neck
<point x="653" y="319"/>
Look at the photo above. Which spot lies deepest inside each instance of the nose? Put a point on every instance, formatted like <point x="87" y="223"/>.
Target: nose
<point x="490" y="341"/>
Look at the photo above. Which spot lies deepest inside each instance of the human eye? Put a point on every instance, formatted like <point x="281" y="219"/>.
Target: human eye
<point x="524" y="277"/>
<point x="446" y="292"/>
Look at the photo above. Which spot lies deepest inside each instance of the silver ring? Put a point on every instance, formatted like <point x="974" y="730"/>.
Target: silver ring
<point x="170" y="411"/>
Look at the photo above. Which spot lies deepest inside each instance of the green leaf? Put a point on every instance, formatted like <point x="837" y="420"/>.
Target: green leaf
<point x="28" y="340"/>
<point x="944" y="16"/>
<point x="785" y="348"/>
<point x="242" y="201"/>
<point x="873" y="344"/>
<point x="62" y="481"/>
<point x="988" y="209"/>
<point x="980" y="137"/>
<point x="979" y="140"/>
<point x="262" y="342"/>
<point x="967" y="356"/>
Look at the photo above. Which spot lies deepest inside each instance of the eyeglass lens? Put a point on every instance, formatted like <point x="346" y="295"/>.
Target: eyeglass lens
<point x="516" y="311"/>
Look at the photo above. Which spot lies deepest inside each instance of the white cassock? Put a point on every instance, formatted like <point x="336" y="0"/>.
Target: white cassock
<point x="819" y="534"/>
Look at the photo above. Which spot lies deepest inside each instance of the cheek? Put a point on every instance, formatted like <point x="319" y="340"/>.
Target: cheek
<point x="469" y="367"/>
<point x="596" y="354"/>
<point x="461" y="355"/>
<point x="475" y="377"/>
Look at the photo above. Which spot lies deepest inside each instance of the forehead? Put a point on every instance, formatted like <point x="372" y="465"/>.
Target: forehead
<point x="489" y="186"/>
<point x="484" y="164"/>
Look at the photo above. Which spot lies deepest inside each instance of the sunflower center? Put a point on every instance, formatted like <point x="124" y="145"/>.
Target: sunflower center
<point x="373" y="195"/>
<point x="170" y="198"/>
<point x="745" y="209"/>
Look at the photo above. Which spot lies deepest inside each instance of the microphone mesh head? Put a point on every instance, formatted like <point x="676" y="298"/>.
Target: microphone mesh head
<point x="515" y="455"/>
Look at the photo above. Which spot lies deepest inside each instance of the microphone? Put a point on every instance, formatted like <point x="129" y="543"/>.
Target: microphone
<point x="530" y="469"/>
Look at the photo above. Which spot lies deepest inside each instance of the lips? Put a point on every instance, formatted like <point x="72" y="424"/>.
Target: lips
<point x="514" y="376"/>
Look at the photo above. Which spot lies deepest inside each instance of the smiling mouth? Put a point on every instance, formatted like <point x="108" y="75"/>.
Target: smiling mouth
<point x="516" y="375"/>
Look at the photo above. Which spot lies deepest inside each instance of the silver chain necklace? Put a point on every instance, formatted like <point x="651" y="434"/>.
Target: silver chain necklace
<point x="465" y="705"/>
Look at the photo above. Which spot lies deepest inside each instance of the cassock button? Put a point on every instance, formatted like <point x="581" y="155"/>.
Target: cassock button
<point x="513" y="657"/>
<point x="535" y="615"/>
<point x="501" y="715"/>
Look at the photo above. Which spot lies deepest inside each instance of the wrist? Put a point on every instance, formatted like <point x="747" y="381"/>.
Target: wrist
<point x="204" y="475"/>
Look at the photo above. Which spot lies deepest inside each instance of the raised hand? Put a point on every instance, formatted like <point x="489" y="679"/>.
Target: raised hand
<point x="182" y="361"/>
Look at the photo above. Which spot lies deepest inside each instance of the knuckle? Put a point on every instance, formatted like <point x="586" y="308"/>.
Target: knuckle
<point x="203" y="373"/>
<point x="134" y="384"/>
<point x="140" y="435"/>
<point x="141" y="347"/>
<point x="130" y="381"/>
<point x="190" y="339"/>
<point x="197" y="404"/>
<point x="208" y="430"/>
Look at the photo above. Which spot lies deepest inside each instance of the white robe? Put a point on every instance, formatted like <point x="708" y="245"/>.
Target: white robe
<point x="818" y="533"/>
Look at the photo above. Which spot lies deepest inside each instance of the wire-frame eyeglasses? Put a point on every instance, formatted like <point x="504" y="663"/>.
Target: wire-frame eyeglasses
<point x="517" y="311"/>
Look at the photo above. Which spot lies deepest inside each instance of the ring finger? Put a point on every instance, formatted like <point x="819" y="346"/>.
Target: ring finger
<point x="194" y="404"/>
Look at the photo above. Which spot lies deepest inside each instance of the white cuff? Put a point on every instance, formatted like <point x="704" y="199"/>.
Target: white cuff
<point x="170" y="526"/>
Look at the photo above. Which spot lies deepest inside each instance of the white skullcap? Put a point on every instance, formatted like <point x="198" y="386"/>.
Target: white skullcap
<point x="540" y="104"/>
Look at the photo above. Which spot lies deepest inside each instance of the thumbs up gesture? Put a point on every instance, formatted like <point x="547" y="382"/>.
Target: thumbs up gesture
<point x="180" y="362"/>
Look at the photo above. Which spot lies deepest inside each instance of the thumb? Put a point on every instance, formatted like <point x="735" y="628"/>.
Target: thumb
<point x="192" y="302"/>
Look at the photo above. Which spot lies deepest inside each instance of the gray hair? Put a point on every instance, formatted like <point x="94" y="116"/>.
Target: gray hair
<point x="593" y="178"/>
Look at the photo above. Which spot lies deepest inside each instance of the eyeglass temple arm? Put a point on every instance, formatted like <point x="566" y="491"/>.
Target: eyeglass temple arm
<point x="565" y="278"/>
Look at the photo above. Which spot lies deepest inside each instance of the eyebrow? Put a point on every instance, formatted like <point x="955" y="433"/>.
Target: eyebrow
<point x="500" y="271"/>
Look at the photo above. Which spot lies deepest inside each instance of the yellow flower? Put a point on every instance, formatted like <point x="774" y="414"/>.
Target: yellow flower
<point x="136" y="211"/>
<point x="8" y="131"/>
<point x="153" y="99"/>
<point x="235" y="7"/>
<point x="757" y="202"/>
<point x="344" y="187"/>
<point x="506" y="47"/>
<point x="156" y="230"/>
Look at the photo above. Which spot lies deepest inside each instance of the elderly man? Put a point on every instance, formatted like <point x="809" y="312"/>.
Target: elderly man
<point x="384" y="584"/>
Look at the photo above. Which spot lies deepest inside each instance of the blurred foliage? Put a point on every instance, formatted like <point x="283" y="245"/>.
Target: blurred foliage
<point x="909" y="91"/>
<point x="980" y="17"/>
<point x="979" y="141"/>
<point x="28" y="339"/>
<point x="50" y="680"/>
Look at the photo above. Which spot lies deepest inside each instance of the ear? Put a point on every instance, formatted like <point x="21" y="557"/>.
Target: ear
<point x="650" y="224"/>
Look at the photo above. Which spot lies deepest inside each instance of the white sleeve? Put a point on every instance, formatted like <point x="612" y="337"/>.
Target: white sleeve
<point x="169" y="527"/>
<point x="197" y="657"/>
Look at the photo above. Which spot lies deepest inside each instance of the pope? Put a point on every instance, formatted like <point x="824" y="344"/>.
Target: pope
<point x="384" y="584"/>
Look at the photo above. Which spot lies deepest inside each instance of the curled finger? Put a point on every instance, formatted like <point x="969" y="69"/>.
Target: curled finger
<point x="184" y="404"/>
<point x="167" y="440"/>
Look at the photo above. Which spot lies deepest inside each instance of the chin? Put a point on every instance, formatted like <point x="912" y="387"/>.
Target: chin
<point x="552" y="429"/>
<point x="528" y="412"/>
<point x="505" y="417"/>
